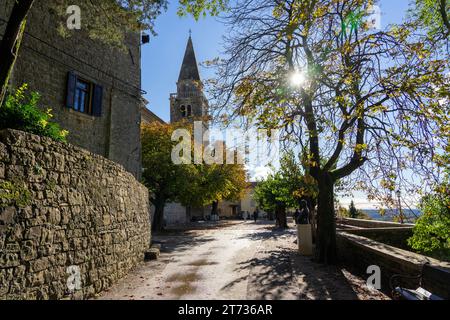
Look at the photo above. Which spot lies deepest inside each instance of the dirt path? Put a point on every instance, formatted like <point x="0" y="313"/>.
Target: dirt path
<point x="237" y="261"/>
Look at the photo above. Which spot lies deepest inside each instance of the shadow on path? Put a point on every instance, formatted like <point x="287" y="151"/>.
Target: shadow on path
<point x="279" y="272"/>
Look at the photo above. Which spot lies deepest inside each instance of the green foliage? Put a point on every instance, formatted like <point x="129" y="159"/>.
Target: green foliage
<point x="165" y="180"/>
<point x="110" y="20"/>
<point x="342" y="212"/>
<point x="433" y="15"/>
<point x="288" y="186"/>
<point x="273" y="193"/>
<point x="300" y="183"/>
<point x="432" y="230"/>
<point x="198" y="8"/>
<point x="192" y="185"/>
<point x="14" y="194"/>
<point x="354" y="213"/>
<point x="217" y="182"/>
<point x="20" y="111"/>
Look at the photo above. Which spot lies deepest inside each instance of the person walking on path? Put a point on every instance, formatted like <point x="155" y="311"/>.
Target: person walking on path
<point x="255" y="215"/>
<point x="297" y="216"/>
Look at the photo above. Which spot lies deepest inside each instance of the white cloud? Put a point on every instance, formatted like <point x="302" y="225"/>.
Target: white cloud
<point x="259" y="173"/>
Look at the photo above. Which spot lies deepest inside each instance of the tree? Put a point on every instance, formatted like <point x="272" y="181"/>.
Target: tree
<point x="105" y="20"/>
<point x="286" y="188"/>
<point x="273" y="196"/>
<point x="209" y="184"/>
<point x="353" y="99"/>
<point x="432" y="230"/>
<point x="302" y="185"/>
<point x="434" y="16"/>
<point x="353" y="213"/>
<point x="10" y="44"/>
<point x="227" y="183"/>
<point x="192" y="185"/>
<point x="166" y="181"/>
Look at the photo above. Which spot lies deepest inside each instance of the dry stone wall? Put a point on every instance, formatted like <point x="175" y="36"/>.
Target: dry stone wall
<point x="71" y="222"/>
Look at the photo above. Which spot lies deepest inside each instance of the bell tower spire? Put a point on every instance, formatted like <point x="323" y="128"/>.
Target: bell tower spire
<point x="189" y="102"/>
<point x="189" y="68"/>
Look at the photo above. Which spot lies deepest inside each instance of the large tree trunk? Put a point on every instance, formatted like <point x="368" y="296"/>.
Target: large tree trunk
<point x="313" y="217"/>
<point x="215" y="208"/>
<point x="188" y="214"/>
<point x="326" y="223"/>
<point x="158" y="218"/>
<point x="281" y="217"/>
<point x="10" y="44"/>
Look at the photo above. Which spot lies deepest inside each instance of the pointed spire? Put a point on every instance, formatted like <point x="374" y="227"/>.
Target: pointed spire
<point x="189" y="69"/>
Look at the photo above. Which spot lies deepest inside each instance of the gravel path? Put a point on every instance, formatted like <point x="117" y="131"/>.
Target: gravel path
<point x="236" y="260"/>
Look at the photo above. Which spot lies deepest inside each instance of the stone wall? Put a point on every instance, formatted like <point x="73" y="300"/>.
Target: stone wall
<point x="390" y="233"/>
<point x="44" y="62"/>
<point x="358" y="253"/>
<point x="363" y="223"/>
<point x="397" y="237"/>
<point x="69" y="219"/>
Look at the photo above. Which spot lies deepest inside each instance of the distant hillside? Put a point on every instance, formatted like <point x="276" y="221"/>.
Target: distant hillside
<point x="411" y="215"/>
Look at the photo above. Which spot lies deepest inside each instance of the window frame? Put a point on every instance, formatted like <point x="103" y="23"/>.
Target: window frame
<point x="89" y="96"/>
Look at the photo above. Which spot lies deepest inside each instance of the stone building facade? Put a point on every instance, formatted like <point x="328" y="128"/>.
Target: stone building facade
<point x="233" y="209"/>
<point x="94" y="90"/>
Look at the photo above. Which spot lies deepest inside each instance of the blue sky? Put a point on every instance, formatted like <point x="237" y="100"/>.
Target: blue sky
<point x="162" y="57"/>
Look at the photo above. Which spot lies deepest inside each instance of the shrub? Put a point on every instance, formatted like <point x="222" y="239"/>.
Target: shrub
<point x="20" y="111"/>
<point x="432" y="230"/>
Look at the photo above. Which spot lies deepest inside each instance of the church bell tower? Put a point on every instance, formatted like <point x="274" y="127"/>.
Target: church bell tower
<point x="189" y="103"/>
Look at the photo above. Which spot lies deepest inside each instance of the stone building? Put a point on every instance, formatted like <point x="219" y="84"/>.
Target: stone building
<point x="147" y="116"/>
<point x="247" y="204"/>
<point x="94" y="90"/>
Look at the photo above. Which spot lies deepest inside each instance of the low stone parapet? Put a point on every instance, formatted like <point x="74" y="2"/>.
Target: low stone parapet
<point x="358" y="253"/>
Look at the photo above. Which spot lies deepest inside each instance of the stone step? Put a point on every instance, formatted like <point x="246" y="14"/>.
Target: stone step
<point x="153" y="253"/>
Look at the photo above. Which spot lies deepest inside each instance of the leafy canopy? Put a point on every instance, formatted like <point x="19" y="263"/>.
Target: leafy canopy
<point x="287" y="186"/>
<point x="373" y="104"/>
<point x="215" y="183"/>
<point x="191" y="185"/>
<point x="165" y="180"/>
<point x="433" y="16"/>
<point x="432" y="230"/>
<point x="110" y="20"/>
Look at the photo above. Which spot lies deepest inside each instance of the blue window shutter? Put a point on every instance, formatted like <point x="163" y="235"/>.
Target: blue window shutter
<point x="71" y="87"/>
<point x="97" y="100"/>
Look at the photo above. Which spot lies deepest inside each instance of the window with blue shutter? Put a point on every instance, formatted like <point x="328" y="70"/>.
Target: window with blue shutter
<point x="84" y="96"/>
<point x="71" y="87"/>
